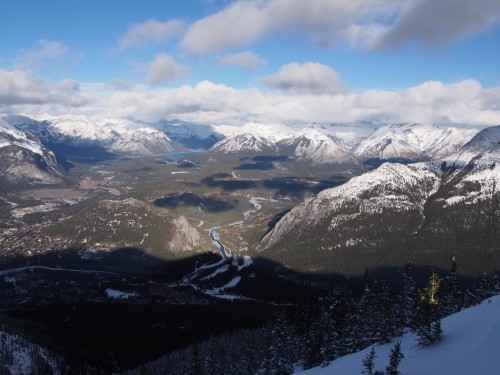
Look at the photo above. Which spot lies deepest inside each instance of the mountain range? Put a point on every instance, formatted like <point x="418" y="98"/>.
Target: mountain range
<point x="424" y="212"/>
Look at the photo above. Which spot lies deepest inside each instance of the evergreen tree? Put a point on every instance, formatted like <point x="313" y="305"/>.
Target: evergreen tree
<point x="210" y="359"/>
<point x="280" y="362"/>
<point x="369" y="362"/>
<point x="453" y="298"/>
<point x="407" y="300"/>
<point x="196" y="367"/>
<point x="394" y="360"/>
<point x="483" y="288"/>
<point x="427" y="319"/>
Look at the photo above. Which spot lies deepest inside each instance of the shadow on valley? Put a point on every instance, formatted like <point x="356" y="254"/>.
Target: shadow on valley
<point x="262" y="163"/>
<point x="229" y="185"/>
<point x="282" y="186"/>
<point x="120" y="308"/>
<point x="193" y="200"/>
<point x="67" y="155"/>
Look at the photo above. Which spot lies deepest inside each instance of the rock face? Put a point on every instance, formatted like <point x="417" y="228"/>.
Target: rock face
<point x="24" y="159"/>
<point x="424" y="212"/>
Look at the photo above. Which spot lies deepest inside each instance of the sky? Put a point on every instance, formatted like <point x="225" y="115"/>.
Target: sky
<point x="272" y="61"/>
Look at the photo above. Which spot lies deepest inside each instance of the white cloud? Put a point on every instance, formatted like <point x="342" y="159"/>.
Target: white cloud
<point x="436" y="22"/>
<point x="20" y="87"/>
<point x="365" y="24"/>
<point x="307" y="78"/>
<point x="243" y="22"/>
<point x="462" y="102"/>
<point x="465" y="102"/>
<point x="163" y="69"/>
<point x="150" y="31"/>
<point x="247" y="60"/>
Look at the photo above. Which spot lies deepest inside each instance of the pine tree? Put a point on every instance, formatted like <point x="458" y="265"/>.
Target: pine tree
<point x="427" y="320"/>
<point x="369" y="362"/>
<point x="394" y="360"/>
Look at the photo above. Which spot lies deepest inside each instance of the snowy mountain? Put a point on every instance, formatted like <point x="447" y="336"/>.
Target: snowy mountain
<point x="423" y="208"/>
<point x="144" y="141"/>
<point x="469" y="346"/>
<point x="245" y="143"/>
<point x="193" y="136"/>
<point x="412" y="142"/>
<point x="24" y="158"/>
<point x="485" y="147"/>
<point x="350" y="133"/>
<point x="315" y="146"/>
<point x="77" y="131"/>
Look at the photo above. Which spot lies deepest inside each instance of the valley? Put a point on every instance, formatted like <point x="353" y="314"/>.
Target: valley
<point x="160" y="245"/>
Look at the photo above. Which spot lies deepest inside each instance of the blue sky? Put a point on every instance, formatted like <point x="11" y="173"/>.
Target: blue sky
<point x="205" y="60"/>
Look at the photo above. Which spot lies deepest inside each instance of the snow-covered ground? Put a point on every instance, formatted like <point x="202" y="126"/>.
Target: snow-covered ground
<point x="470" y="345"/>
<point x="118" y="294"/>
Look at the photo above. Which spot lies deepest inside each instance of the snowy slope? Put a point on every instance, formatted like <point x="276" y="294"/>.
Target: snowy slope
<point x="415" y="142"/>
<point x="24" y="159"/>
<point x="470" y="343"/>
<point x="316" y="146"/>
<point x="484" y="146"/>
<point x="80" y="131"/>
<point x="143" y="141"/>
<point x="392" y="187"/>
<point x="10" y="136"/>
<point x="350" y="133"/>
<point x="245" y="143"/>
<point x="195" y="136"/>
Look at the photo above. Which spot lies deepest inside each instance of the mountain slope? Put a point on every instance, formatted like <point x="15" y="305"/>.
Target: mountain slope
<point x="130" y="222"/>
<point x="24" y="159"/>
<point x="80" y="131"/>
<point x="245" y="143"/>
<point x="193" y="136"/>
<point x="469" y="346"/>
<point x="424" y="212"/>
<point x="315" y="146"/>
<point x="143" y="141"/>
<point x="412" y="142"/>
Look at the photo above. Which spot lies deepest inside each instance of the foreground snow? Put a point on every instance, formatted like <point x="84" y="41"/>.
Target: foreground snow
<point x="471" y="339"/>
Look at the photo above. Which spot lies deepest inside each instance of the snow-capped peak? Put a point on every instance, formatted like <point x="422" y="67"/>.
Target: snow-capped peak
<point x="271" y="131"/>
<point x="246" y="143"/>
<point x="316" y="146"/>
<point x="414" y="142"/>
